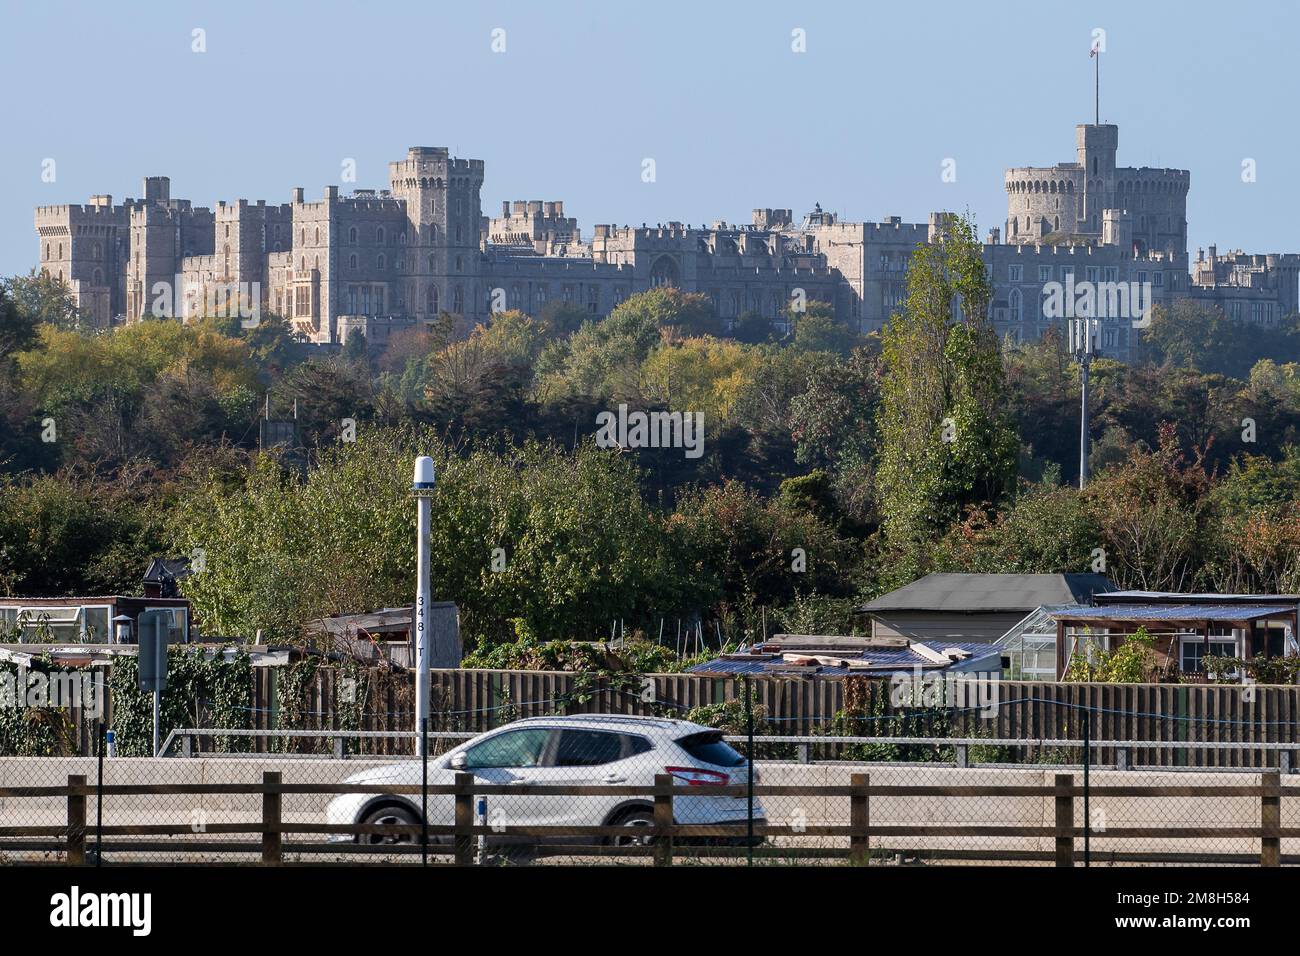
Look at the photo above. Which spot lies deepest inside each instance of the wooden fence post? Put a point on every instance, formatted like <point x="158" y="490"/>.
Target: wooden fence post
<point x="860" y="820"/>
<point x="663" y="817"/>
<point x="464" y="819"/>
<point x="1270" y="819"/>
<point x="1064" y="819"/>
<point x="76" y="821"/>
<point x="271" y="807"/>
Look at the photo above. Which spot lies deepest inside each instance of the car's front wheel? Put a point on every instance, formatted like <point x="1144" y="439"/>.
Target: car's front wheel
<point x="389" y="816"/>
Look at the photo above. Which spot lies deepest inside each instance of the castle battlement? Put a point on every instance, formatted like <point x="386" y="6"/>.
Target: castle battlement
<point x="344" y="263"/>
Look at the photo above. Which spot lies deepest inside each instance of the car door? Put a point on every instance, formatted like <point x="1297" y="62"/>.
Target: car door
<point x="585" y="758"/>
<point x="512" y="758"/>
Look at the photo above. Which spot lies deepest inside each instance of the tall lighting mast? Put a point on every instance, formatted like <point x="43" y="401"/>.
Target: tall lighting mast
<point x="1083" y="346"/>
<point x="422" y="490"/>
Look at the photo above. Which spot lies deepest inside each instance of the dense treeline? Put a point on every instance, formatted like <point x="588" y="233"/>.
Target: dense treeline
<point x="835" y="466"/>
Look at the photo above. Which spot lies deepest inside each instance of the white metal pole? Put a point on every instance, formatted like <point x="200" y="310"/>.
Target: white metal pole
<point x="422" y="488"/>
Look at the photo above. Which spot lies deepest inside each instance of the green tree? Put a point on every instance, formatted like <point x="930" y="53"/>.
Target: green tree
<point x="945" y="438"/>
<point x="44" y="299"/>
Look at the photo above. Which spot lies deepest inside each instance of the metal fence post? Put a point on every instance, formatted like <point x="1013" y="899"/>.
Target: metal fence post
<point x="1087" y="806"/>
<point x="663" y="819"/>
<point x="464" y="820"/>
<point x="76" y="820"/>
<point x="749" y="774"/>
<point x="963" y="759"/>
<point x="1270" y="818"/>
<point x="859" y="820"/>
<point x="272" y="845"/>
<point x="1064" y="819"/>
<point x="424" y="795"/>
<point x="99" y="796"/>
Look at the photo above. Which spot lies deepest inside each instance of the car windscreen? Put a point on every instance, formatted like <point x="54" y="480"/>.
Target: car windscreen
<point x="709" y="747"/>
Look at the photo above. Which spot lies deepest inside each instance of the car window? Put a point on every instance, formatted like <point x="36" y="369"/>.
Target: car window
<point x="709" y="747"/>
<point x="514" y="748"/>
<point x="588" y="748"/>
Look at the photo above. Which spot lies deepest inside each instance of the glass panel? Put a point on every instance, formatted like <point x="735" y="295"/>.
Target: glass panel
<point x="587" y="748"/>
<point x="515" y="748"/>
<point x="97" y="627"/>
<point x="175" y="617"/>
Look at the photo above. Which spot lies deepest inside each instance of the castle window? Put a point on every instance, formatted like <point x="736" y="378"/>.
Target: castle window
<point x="302" y="236"/>
<point x="352" y="261"/>
<point x="379" y="237"/>
<point x="458" y="300"/>
<point x="459" y="263"/>
<point x="352" y="236"/>
<point x="1015" y="302"/>
<point x="47" y="250"/>
<point x="433" y="232"/>
<point x="1015" y="273"/>
<point x="1044" y="273"/>
<point x="433" y="299"/>
<point x="98" y="250"/>
<point x="382" y="262"/>
<point x="459" y="233"/>
<point x="430" y="263"/>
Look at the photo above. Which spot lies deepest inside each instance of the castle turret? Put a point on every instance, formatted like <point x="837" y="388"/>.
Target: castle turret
<point x="444" y="212"/>
<point x="1097" y="146"/>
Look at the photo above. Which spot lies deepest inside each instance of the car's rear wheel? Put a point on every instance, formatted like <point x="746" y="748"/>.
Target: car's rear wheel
<point x="389" y="816"/>
<point x="634" y="821"/>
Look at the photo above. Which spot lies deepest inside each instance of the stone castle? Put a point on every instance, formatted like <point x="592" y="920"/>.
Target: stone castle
<point x="375" y="262"/>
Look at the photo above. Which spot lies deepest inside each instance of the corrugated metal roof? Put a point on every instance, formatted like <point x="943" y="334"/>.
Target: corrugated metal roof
<point x="903" y="659"/>
<point x="1128" y="597"/>
<point x="1171" y="612"/>
<point x="984" y="593"/>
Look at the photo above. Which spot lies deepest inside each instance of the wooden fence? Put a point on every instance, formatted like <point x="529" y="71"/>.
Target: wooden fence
<point x="477" y="700"/>
<point x="662" y="837"/>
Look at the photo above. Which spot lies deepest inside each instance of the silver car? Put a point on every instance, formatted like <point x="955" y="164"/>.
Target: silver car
<point x="586" y="750"/>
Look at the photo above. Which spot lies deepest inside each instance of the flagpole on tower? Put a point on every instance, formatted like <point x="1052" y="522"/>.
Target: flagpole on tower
<point x="1096" y="83"/>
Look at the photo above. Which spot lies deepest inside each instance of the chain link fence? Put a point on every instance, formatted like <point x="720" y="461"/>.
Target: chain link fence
<point x="643" y="791"/>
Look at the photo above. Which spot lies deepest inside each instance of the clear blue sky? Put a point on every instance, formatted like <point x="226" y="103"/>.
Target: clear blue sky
<point x="711" y="90"/>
